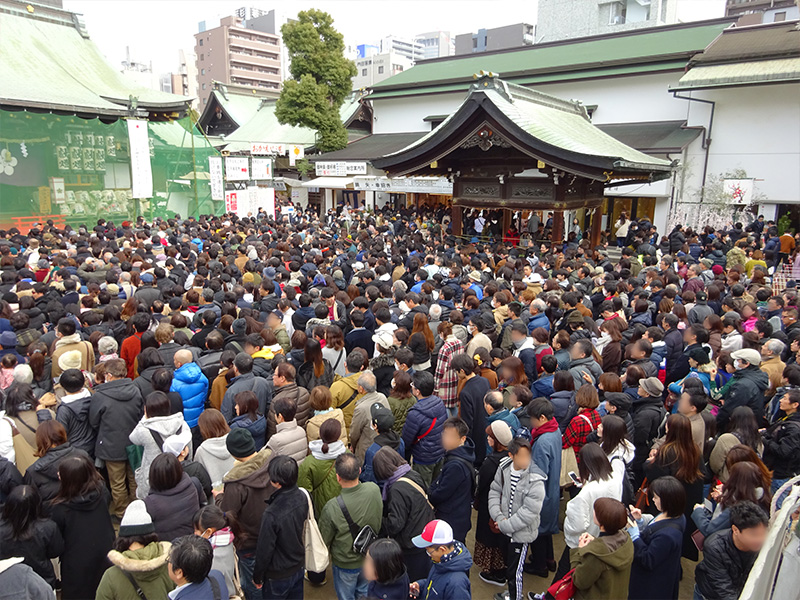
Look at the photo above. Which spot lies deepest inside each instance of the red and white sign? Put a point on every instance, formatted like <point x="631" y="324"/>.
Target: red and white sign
<point x="267" y="148"/>
<point x="261" y="169"/>
<point x="232" y="202"/>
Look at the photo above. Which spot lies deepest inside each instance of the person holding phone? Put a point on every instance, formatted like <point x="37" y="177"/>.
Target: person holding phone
<point x="657" y="542"/>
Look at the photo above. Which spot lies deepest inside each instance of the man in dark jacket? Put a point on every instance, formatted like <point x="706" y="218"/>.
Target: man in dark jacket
<point x="73" y="411"/>
<point x="302" y="315"/>
<point x="280" y="554"/>
<point x="452" y="491"/>
<point x="115" y="409"/>
<point x="148" y="293"/>
<point x="648" y="412"/>
<point x="674" y="342"/>
<point x="422" y="431"/>
<point x="701" y="309"/>
<point x="413" y="301"/>
<point x="728" y="555"/>
<point x="189" y="565"/>
<point x="247" y="488"/>
<point x="244" y="381"/>
<point x="747" y="387"/>
<point x="470" y="401"/>
<point x="782" y="441"/>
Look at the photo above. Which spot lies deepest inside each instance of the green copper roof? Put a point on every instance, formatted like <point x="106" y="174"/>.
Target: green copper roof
<point x="239" y="107"/>
<point x="634" y="51"/>
<point x="264" y="127"/>
<point x="744" y="73"/>
<point x="52" y="66"/>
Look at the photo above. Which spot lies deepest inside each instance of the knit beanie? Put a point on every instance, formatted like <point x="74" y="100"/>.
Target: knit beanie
<point x="136" y="520"/>
<point x="239" y="326"/>
<point x="240" y="443"/>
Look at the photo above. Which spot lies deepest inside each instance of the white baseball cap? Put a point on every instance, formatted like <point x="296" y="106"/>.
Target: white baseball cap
<point x="436" y="533"/>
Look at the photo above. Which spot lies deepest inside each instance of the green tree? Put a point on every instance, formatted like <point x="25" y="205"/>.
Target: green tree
<point x="321" y="78"/>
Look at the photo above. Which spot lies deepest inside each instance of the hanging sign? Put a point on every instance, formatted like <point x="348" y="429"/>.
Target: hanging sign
<point x="232" y="202"/>
<point x="340" y="169"/>
<point x="58" y="189"/>
<point x="295" y="153"/>
<point x="141" y="169"/>
<point x="215" y="173"/>
<point x="740" y="190"/>
<point x="237" y="168"/>
<point x="267" y="148"/>
<point x="261" y="168"/>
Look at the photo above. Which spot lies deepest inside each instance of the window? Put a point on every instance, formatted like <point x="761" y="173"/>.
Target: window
<point x="380" y="70"/>
<point x="780" y="16"/>
<point x="200" y="42"/>
<point x="202" y="57"/>
<point x="202" y="71"/>
<point x="474" y="43"/>
<point x="363" y="72"/>
<point x="205" y="100"/>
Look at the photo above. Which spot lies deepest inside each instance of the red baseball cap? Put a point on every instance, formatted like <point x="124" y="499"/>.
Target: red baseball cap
<point x="436" y="533"/>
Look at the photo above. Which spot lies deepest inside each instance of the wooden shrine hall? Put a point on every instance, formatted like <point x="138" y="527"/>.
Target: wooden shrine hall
<point x="510" y="147"/>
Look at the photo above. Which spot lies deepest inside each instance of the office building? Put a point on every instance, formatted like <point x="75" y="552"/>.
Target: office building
<point x="375" y="67"/>
<point x="238" y="52"/>
<point x="754" y="12"/>
<point x="407" y="48"/>
<point x="436" y="44"/>
<point x="567" y="19"/>
<point x="499" y="38"/>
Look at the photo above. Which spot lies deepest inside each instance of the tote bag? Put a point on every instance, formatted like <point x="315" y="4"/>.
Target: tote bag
<point x="317" y="559"/>
<point x="24" y="455"/>
<point x="569" y="462"/>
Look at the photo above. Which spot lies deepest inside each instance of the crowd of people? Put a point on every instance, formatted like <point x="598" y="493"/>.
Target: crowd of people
<point x="188" y="405"/>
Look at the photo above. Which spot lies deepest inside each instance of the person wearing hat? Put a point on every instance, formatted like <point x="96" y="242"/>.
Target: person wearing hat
<point x="382" y="364"/>
<point x="179" y="445"/>
<point x="447" y="579"/>
<point x="138" y="557"/>
<point x="382" y="423"/>
<point x="148" y="292"/>
<point x="68" y="339"/>
<point x="747" y="387"/>
<point x="648" y="412"/>
<point x="473" y="282"/>
<point x="246" y="489"/>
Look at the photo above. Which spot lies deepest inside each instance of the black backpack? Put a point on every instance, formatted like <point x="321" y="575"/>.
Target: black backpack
<point x="472" y="470"/>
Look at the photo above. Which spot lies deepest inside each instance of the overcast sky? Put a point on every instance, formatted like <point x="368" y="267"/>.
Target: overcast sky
<point x="156" y="29"/>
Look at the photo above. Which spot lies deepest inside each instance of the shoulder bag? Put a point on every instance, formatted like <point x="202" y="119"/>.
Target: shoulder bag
<point x="569" y="462"/>
<point x="317" y="559"/>
<point x="24" y="455"/>
<point x="362" y="538"/>
<point x="563" y="589"/>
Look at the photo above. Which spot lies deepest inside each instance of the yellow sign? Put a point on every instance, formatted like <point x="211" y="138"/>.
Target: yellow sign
<point x="44" y="200"/>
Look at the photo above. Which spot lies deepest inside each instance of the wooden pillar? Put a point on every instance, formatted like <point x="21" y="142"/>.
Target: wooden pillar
<point x="557" y="234"/>
<point x="506" y="221"/>
<point x="597" y="220"/>
<point x="456" y="213"/>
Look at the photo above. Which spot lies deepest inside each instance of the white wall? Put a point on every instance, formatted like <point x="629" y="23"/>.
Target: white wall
<point x="756" y="129"/>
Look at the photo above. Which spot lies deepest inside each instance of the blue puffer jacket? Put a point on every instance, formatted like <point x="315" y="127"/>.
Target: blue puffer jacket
<point x="426" y="412"/>
<point x="538" y="320"/>
<point x="192" y="385"/>
<point x="448" y="579"/>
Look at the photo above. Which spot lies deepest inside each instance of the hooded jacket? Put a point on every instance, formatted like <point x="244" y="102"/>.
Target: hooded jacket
<point x="43" y="474"/>
<point x="247" y="488"/>
<point x="518" y="518"/>
<point x="213" y="455"/>
<point x="746" y="389"/>
<point x="623" y="403"/>
<point x="448" y="579"/>
<point x="142" y="436"/>
<point x="452" y="492"/>
<point x="19" y="582"/>
<point x="300" y="395"/>
<point x="603" y="567"/>
<point x="145" y="379"/>
<point x="389" y="438"/>
<point x="647" y="416"/>
<point x="782" y="447"/>
<point x="73" y="414"/>
<point x="173" y="510"/>
<point x="257" y="428"/>
<point x="564" y="408"/>
<point x="147" y="566"/>
<point x="192" y="385"/>
<point x="422" y="432"/>
<point x="361" y="432"/>
<point x="115" y="409"/>
<point x="317" y="474"/>
<point x="585" y="365"/>
<point x="579" y="510"/>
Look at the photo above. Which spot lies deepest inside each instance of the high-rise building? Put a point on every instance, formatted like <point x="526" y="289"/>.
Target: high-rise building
<point x="408" y="48"/>
<point x="239" y="52"/>
<point x="436" y="44"/>
<point x="499" y="38"/>
<point x="184" y="81"/>
<point x="754" y="12"/>
<point x="565" y="19"/>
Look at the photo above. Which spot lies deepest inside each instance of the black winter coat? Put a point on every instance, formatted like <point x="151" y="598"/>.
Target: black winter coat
<point x="9" y="478"/>
<point x="471" y="409"/>
<point x="382" y="366"/>
<point x="673" y="339"/>
<point x="173" y="510"/>
<point x="451" y="493"/>
<point x="74" y="416"/>
<point x="724" y="569"/>
<point x="746" y="389"/>
<point x="406" y="512"/>
<point x="280" y="551"/>
<point x="484" y="533"/>
<point x="115" y="410"/>
<point x="647" y="416"/>
<point x="42" y="542"/>
<point x="43" y="474"/>
<point x="86" y="527"/>
<point x="782" y="447"/>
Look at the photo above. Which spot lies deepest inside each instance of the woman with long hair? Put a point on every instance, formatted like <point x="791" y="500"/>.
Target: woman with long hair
<point x="657" y="541"/>
<point x="511" y="372"/>
<point x="41" y="364"/>
<point x="20" y="407"/>
<point x="173" y="498"/>
<point x="680" y="457"/>
<point x="585" y="421"/>
<point x="52" y="448"/>
<point x="401" y="399"/>
<point x="446" y="380"/>
<point x="742" y="429"/>
<point x="612" y="433"/>
<point x="213" y="452"/>
<point x="26" y="533"/>
<point x="334" y="351"/>
<point x="80" y="510"/>
<point x="316" y="472"/>
<point x="745" y="482"/>
<point x="612" y="351"/>
<point x="315" y="370"/>
<point x="321" y="403"/>
<point x="421" y="343"/>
